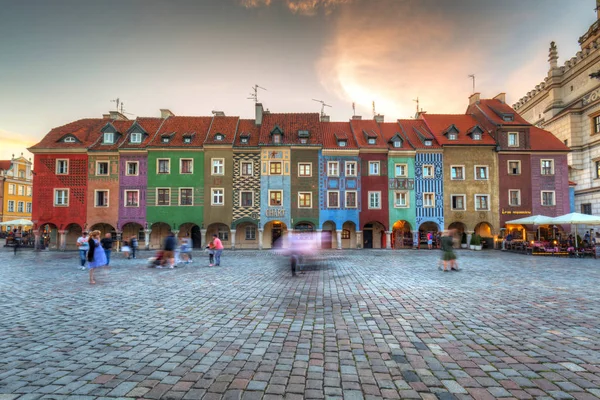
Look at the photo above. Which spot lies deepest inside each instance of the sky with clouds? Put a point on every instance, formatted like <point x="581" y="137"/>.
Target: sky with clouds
<point x="66" y="59"/>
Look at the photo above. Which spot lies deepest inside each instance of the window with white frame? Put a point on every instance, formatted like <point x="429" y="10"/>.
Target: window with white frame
<point x="28" y="207"/>
<point x="351" y="198"/>
<point x="481" y="172"/>
<point x="11" y="188"/>
<point x="223" y="233"/>
<point x="304" y="200"/>
<point x="21" y="190"/>
<point x="514" y="197"/>
<point x="186" y="197"/>
<point x="217" y="196"/>
<point x="333" y="199"/>
<point x="374" y="168"/>
<point x="304" y="169"/>
<point x="428" y="171"/>
<point x="163" y="196"/>
<point x="101" y="198"/>
<point x="372" y="140"/>
<point x="246" y="169"/>
<point x="275" y="198"/>
<point x="62" y="167"/>
<point x="400" y="199"/>
<point x="401" y="170"/>
<point x="246" y="199"/>
<point x="132" y="198"/>
<point x="251" y="233"/>
<point x="218" y="166"/>
<point x="69" y="139"/>
<point x="428" y="200"/>
<point x="136" y="137"/>
<point x="276" y="139"/>
<point x="29" y="190"/>
<point x="547" y="167"/>
<point x="186" y="166"/>
<point x="452" y="136"/>
<point x="333" y="168"/>
<point x="108" y="138"/>
<point x="513" y="139"/>
<point x="163" y="165"/>
<point x="548" y="198"/>
<point x="476" y="136"/>
<point x="374" y="200"/>
<point x="457" y="172"/>
<point x="514" y="167"/>
<point x="275" y="168"/>
<point x="482" y="202"/>
<point x="132" y="168"/>
<point x="20" y="206"/>
<point x="350" y="168"/>
<point x="458" y="202"/>
<point x="11" y="206"/>
<point x="101" y="167"/>
<point x="596" y="124"/>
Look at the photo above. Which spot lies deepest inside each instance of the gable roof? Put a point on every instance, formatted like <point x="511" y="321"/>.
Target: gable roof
<point x="226" y="126"/>
<point x="542" y="140"/>
<point x="416" y="132"/>
<point x="290" y="124"/>
<point x="439" y="123"/>
<point x="362" y="128"/>
<point x="334" y="131"/>
<point x="149" y="125"/>
<point x="494" y="109"/>
<point x="178" y="126"/>
<point x="391" y="131"/>
<point x="120" y="128"/>
<point x="247" y="128"/>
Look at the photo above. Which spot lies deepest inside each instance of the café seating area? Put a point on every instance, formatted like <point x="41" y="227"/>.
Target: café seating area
<point x="550" y="248"/>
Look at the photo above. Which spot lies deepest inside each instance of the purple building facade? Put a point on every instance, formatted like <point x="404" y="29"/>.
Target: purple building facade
<point x="133" y="182"/>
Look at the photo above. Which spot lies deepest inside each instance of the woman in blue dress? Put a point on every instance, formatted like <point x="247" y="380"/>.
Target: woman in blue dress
<point x="96" y="255"/>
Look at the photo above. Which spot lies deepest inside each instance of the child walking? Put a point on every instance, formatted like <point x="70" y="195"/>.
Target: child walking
<point x="211" y="253"/>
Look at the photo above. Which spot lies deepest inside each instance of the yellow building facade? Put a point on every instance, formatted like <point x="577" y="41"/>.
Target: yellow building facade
<point x="16" y="176"/>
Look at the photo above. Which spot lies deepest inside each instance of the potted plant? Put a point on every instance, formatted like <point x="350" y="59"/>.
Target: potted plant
<point x="477" y="242"/>
<point x="472" y="243"/>
<point x="463" y="241"/>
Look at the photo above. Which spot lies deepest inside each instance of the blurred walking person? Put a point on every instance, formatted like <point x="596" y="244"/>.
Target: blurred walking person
<point x="169" y="250"/>
<point x="107" y="244"/>
<point x="83" y="246"/>
<point x="134" y="245"/>
<point x="218" y="249"/>
<point x="96" y="255"/>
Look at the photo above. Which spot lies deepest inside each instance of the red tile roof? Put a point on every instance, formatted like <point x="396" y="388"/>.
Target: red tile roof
<point x="179" y="127"/>
<point x="121" y="127"/>
<point x="290" y="124"/>
<point x="332" y="131"/>
<point x="247" y="128"/>
<point x="84" y="130"/>
<point x="493" y="109"/>
<point x="391" y="129"/>
<point x="5" y="164"/>
<point x="367" y="128"/>
<point x="439" y="123"/>
<point x="226" y="126"/>
<point x="416" y="131"/>
<point x="150" y="125"/>
<point x="542" y="140"/>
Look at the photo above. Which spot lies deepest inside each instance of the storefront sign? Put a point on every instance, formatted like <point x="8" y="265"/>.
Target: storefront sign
<point x="401" y="183"/>
<point x="275" y="213"/>
<point x="515" y="212"/>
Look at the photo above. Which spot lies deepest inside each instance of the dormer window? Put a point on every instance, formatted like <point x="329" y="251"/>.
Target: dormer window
<point x="165" y="140"/>
<point x="219" y="137"/>
<point x="428" y="142"/>
<point x="69" y="139"/>
<point x="109" y="138"/>
<point x="244" y="140"/>
<point x="187" y="140"/>
<point x="371" y="140"/>
<point x="303" y="134"/>
<point x="136" y="137"/>
<point x="397" y="143"/>
<point x="476" y="136"/>
<point x="508" y="117"/>
<point x="342" y="143"/>
<point x="303" y="140"/>
<point x="276" y="138"/>
<point x="452" y="136"/>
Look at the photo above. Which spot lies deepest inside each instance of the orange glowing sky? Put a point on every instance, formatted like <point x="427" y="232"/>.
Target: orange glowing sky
<point x="67" y="59"/>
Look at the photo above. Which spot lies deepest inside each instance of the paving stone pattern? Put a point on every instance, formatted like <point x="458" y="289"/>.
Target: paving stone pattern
<point x="369" y="325"/>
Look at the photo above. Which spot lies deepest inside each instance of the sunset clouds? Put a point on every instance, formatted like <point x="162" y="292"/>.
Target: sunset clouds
<point x="301" y="7"/>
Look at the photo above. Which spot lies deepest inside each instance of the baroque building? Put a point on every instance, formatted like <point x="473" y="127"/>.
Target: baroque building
<point x="16" y="180"/>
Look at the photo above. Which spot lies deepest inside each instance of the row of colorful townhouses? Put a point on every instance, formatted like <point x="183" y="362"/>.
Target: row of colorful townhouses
<point x="15" y="190"/>
<point x="256" y="182"/>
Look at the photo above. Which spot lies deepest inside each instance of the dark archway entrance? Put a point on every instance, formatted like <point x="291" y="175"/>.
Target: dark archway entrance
<point x="196" y="237"/>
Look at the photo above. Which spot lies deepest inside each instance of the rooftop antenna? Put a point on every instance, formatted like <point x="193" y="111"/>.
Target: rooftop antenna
<point x="323" y="105"/>
<point x="417" y="101"/>
<point x="118" y="103"/>
<point x="374" y="113"/>
<point x="254" y="95"/>
<point x="472" y="76"/>
<point x="353" y="109"/>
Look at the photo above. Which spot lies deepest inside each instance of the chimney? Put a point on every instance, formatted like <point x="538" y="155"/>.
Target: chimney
<point x="166" y="113"/>
<point x="474" y="98"/>
<point x="501" y="97"/>
<point x="218" y="113"/>
<point x="115" y="115"/>
<point x="105" y="116"/>
<point x="324" y="118"/>
<point x="356" y="117"/>
<point x="379" y="118"/>
<point x="259" y="114"/>
<point x="420" y="114"/>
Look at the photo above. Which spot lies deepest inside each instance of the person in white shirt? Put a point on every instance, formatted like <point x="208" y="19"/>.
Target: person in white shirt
<point x="83" y="245"/>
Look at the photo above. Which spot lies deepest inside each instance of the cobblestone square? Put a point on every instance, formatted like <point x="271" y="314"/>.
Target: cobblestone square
<point x="369" y="325"/>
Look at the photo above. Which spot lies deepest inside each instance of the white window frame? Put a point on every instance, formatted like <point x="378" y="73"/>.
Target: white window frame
<point x="269" y="198"/>
<point x="551" y="166"/>
<point x="217" y="166"/>
<point x="96" y="191"/>
<point x="158" y="160"/>
<point x="28" y="207"/>
<point x="309" y="198"/>
<point x="106" y="136"/>
<point x="425" y="195"/>
<point x="338" y="199"/>
<point x="136" y="137"/>
<point x="66" y="198"/>
<point x="188" y="188"/>
<point x="69" y="139"/>
<point x="476" y="136"/>
<point x="276" y="138"/>
<point x="378" y="193"/>
<point x="372" y="141"/>
<point x="509" y="169"/>
<point x="181" y="160"/>
<point x="58" y="163"/>
<point x="251" y="198"/>
<point x="125" y="198"/>
<point x="462" y="167"/>
<point x="20" y="207"/>
<point x="98" y="167"/>
<point x="212" y="197"/>
<point x="519" y="197"/>
<point x="553" y="198"/>
<point x="405" y="174"/>
<point x="378" y="168"/>
<point x="137" y="168"/>
<point x="253" y="236"/>
<point x="464" y="197"/>
<point x="487" y="172"/>
<point x="309" y="164"/>
<point x="348" y="164"/>
<point x="168" y="197"/>
<point x="407" y="198"/>
<point x="488" y="201"/>
<point x="276" y="162"/>
<point x="425" y="167"/>
<point x="29" y="191"/>
<point x="516" y="139"/>
<point x="355" y="198"/>
<point x="12" y="188"/>
<point x="452" y="136"/>
<point x="251" y="164"/>
<point x="11" y="206"/>
<point x="20" y="190"/>
<point x="336" y="168"/>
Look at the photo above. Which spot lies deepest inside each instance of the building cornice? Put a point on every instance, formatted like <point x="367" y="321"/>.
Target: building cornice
<point x="340" y="152"/>
<point x="396" y="153"/>
<point x="374" y="151"/>
<point x="57" y="151"/>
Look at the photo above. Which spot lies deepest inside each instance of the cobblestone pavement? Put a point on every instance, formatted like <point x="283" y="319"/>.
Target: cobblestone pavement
<point x="371" y="324"/>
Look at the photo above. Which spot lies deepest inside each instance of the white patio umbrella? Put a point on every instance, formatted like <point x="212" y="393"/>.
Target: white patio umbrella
<point x="17" y="222"/>
<point x="576" y="218"/>
<point x="533" y="220"/>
